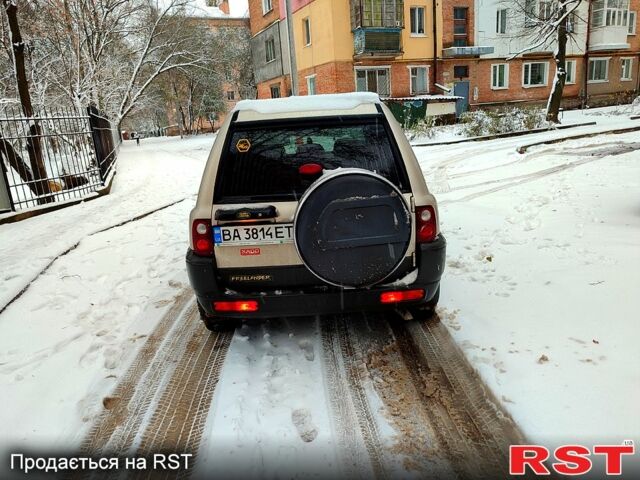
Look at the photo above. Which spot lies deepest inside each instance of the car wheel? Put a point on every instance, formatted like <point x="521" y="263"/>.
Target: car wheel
<point x="217" y="324"/>
<point x="426" y="310"/>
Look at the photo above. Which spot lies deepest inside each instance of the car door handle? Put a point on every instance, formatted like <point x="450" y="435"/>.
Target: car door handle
<point x="246" y="213"/>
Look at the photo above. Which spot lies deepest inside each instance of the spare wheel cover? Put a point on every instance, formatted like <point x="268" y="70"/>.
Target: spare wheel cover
<point x="352" y="228"/>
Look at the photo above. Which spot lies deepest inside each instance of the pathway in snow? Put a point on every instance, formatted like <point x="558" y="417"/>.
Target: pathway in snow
<point x="353" y="396"/>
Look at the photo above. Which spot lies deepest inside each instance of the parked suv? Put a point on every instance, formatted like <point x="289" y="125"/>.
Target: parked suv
<point x="313" y="205"/>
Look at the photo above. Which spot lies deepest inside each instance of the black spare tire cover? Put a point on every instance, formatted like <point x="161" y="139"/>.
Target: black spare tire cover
<point x="352" y="228"/>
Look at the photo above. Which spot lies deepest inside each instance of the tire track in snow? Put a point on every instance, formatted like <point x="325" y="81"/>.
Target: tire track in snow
<point x="474" y="431"/>
<point x="360" y="449"/>
<point x="75" y="245"/>
<point x="162" y="402"/>
<point x="445" y="423"/>
<point x="115" y="430"/>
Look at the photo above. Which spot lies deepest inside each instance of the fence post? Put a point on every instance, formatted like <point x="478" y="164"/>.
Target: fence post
<point x="94" y="124"/>
<point x="6" y="205"/>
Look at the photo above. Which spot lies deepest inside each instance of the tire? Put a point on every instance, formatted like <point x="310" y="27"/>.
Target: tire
<point x="352" y="228"/>
<point x="217" y="324"/>
<point x="426" y="310"/>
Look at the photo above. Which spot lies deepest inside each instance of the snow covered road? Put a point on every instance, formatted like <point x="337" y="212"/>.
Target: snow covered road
<point x="540" y="297"/>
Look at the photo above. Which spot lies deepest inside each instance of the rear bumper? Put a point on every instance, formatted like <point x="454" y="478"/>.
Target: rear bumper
<point x="206" y="283"/>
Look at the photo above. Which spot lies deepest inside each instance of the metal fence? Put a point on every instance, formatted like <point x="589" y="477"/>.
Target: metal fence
<point x="57" y="155"/>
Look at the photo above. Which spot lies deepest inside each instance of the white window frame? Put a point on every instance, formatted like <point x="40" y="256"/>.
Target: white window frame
<point x="381" y="67"/>
<point x="266" y="50"/>
<point x="417" y="24"/>
<point x="306" y="30"/>
<point x="311" y="79"/>
<point x="426" y="73"/>
<point x="546" y="75"/>
<point x="605" y="13"/>
<point x="501" y="21"/>
<point x="598" y="59"/>
<point x="630" y="77"/>
<point x="267" y="6"/>
<point x="494" y="78"/>
<point x="631" y="28"/>
<point x="574" y="70"/>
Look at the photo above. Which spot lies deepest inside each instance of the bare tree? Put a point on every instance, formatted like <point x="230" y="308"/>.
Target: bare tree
<point x="549" y="24"/>
<point x="34" y="147"/>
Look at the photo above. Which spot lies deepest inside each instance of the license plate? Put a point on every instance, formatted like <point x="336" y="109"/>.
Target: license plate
<point x="253" y="235"/>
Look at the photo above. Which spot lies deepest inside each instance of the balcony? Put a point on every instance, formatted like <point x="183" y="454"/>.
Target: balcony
<point x="377" y="14"/>
<point x="377" y="28"/>
<point x="454" y="52"/>
<point x="613" y="37"/>
<point x="377" y="42"/>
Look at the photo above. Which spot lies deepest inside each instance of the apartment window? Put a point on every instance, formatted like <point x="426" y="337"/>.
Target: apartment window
<point x="266" y="6"/>
<point x="545" y="11"/>
<point x="275" y="91"/>
<point x="570" y="67"/>
<point x="231" y="95"/>
<point x="599" y="70"/>
<point x="627" y="64"/>
<point x="499" y="76"/>
<point x="270" y="50"/>
<point x="572" y="21"/>
<point x="610" y="13"/>
<point x="417" y="20"/>
<point x="460" y="27"/>
<point x="306" y="27"/>
<point x="534" y="74"/>
<point x="460" y="71"/>
<point x="631" y="30"/>
<point x="419" y="80"/>
<point x="311" y="85"/>
<point x="501" y="21"/>
<point x="373" y="80"/>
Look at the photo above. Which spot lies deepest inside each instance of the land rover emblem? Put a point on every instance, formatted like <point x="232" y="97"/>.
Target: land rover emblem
<point x="243" y="145"/>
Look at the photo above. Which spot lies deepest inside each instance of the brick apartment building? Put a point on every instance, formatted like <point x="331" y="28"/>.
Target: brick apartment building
<point x="406" y="48"/>
<point x="342" y="46"/>
<point x="602" y="54"/>
<point x="215" y="14"/>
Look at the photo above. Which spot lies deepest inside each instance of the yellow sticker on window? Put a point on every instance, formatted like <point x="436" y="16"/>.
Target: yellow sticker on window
<point x="243" y="145"/>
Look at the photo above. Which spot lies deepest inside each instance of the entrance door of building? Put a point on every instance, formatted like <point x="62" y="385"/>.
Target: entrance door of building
<point x="461" y="89"/>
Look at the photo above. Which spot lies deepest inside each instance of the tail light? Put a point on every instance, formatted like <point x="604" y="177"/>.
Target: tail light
<point x="396" y="296"/>
<point x="425" y="224"/>
<point x="202" y="237"/>
<point x="236" y="306"/>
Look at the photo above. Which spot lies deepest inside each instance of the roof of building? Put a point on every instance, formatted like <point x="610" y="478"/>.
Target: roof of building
<point x="309" y="103"/>
<point x="200" y="9"/>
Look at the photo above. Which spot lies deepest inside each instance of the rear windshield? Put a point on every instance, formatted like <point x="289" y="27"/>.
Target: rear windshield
<point x="262" y="162"/>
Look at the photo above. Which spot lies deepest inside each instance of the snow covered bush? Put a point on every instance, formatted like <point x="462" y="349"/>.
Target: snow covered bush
<point x="509" y="119"/>
<point x="422" y="128"/>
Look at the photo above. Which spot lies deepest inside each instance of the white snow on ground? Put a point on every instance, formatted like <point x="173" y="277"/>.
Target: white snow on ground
<point x="274" y="423"/>
<point x="157" y="173"/>
<point x="73" y="332"/>
<point x="540" y="291"/>
<point x="542" y="277"/>
<point x="604" y="116"/>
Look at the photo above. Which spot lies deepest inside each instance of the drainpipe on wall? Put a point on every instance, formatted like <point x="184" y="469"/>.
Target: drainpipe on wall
<point x="292" y="48"/>
<point x="435" y="44"/>
<point x="585" y="67"/>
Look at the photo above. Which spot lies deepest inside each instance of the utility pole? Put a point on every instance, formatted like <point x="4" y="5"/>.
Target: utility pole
<point x="292" y="48"/>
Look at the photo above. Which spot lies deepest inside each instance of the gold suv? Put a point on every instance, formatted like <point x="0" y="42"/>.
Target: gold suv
<point x="312" y="205"/>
